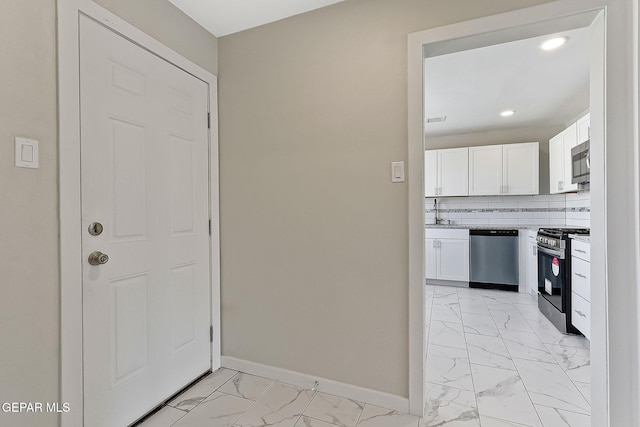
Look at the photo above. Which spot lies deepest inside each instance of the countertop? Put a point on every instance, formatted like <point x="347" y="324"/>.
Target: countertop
<point x="581" y="237"/>
<point x="486" y="226"/>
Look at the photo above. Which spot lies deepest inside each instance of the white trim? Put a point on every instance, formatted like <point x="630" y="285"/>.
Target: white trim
<point x="306" y="381"/>
<point x="615" y="240"/>
<point x="69" y="187"/>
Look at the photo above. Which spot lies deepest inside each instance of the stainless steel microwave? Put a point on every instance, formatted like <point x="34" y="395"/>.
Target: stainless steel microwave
<point x="580" y="164"/>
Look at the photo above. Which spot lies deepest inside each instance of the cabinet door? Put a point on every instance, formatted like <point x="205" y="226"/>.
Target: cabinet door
<point x="453" y="260"/>
<point x="485" y="170"/>
<point x="532" y="266"/>
<point x="430" y="258"/>
<point x="431" y="173"/>
<point x="584" y="129"/>
<point x="453" y="172"/>
<point x="569" y="140"/>
<point x="520" y="168"/>
<point x="556" y="165"/>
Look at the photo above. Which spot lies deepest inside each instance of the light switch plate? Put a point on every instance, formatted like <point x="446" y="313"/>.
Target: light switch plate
<point x="397" y="171"/>
<point x="26" y="153"/>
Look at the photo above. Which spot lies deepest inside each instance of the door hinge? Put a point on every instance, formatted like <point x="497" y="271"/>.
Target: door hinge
<point x="208" y="120"/>
<point x="209" y="227"/>
<point x="210" y="333"/>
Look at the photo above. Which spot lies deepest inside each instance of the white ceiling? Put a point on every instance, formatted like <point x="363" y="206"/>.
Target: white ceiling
<point x="472" y="87"/>
<point x="223" y="17"/>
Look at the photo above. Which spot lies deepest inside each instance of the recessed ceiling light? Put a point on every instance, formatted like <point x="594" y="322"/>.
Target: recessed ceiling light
<point x="553" y="43"/>
<point x="507" y="113"/>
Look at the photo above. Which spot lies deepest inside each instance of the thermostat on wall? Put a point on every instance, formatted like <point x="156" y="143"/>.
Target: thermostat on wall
<point x="26" y="153"/>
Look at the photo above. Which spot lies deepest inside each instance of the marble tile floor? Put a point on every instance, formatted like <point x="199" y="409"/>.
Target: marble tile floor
<point x="492" y="361"/>
<point x="227" y="398"/>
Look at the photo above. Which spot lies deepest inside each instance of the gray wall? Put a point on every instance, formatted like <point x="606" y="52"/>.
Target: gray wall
<point x="29" y="284"/>
<point x="314" y="236"/>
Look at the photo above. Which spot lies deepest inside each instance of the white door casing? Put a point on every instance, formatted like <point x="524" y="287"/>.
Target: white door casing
<point x="73" y="226"/>
<point x="614" y="225"/>
<point x="144" y="177"/>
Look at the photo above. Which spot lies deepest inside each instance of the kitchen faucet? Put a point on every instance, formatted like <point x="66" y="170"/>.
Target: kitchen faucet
<point x="435" y="207"/>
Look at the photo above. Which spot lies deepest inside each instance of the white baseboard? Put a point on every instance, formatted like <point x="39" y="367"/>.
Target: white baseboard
<point x="374" y="397"/>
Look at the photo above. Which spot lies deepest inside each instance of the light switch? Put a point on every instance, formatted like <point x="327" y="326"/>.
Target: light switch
<point x="397" y="171"/>
<point x="26" y="153"/>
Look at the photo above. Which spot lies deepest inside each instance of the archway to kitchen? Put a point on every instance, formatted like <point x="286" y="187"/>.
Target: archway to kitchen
<point x="490" y="31"/>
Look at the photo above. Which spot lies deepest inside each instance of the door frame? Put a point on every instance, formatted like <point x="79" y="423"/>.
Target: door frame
<point x="615" y="196"/>
<point x="71" y="353"/>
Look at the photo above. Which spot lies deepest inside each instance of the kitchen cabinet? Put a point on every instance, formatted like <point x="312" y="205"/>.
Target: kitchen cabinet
<point x="584" y="128"/>
<point x="447" y="254"/>
<point x="581" y="286"/>
<point x="446" y="172"/>
<point x="560" y="155"/>
<point x="510" y="169"/>
<point x="531" y="260"/>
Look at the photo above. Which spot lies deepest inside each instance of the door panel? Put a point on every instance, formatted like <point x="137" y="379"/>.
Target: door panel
<point x="144" y="176"/>
<point x="485" y="170"/>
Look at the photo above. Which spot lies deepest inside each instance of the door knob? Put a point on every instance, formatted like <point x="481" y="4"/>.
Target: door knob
<point x="98" y="258"/>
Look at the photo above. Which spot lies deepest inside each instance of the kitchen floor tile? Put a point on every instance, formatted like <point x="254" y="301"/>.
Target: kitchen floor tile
<point x="576" y="362"/>
<point x="448" y="366"/>
<point x="526" y="345"/>
<point x="552" y="417"/>
<point x="488" y="351"/>
<point x="305" y="421"/>
<point x="447" y="406"/>
<point x="501" y="394"/>
<point x="448" y="334"/>
<point x="547" y="385"/>
<point x="480" y="324"/>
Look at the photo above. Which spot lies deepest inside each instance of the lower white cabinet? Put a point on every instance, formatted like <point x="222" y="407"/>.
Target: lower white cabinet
<point x="447" y="254"/>
<point x="581" y="287"/>
<point x="531" y="260"/>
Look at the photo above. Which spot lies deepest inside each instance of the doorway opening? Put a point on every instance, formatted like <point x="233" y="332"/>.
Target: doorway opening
<point x="519" y="25"/>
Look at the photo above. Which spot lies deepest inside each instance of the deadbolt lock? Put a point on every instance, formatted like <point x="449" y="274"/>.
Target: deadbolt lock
<point x="95" y="229"/>
<point x="98" y="258"/>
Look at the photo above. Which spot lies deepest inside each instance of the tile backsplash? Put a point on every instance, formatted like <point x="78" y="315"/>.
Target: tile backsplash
<point x="553" y="210"/>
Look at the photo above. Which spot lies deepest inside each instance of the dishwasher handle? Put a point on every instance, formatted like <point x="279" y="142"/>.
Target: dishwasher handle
<point x="492" y="232"/>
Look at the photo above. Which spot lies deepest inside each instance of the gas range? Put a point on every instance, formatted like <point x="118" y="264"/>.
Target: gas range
<point x="557" y="237"/>
<point x="554" y="275"/>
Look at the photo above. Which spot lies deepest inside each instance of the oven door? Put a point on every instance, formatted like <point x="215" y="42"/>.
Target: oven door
<point x="551" y="275"/>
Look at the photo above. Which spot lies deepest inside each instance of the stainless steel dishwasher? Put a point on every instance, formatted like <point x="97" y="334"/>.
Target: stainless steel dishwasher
<point x="493" y="259"/>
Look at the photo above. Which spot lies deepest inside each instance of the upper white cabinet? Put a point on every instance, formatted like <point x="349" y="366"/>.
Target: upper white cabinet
<point x="509" y="169"/>
<point x="485" y="170"/>
<point x="584" y="129"/>
<point x="560" y="159"/>
<point x="521" y="168"/>
<point x="446" y="172"/>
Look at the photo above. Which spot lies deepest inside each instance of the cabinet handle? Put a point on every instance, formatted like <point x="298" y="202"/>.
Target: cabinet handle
<point x="581" y="251"/>
<point x="560" y="185"/>
<point x="435" y="243"/>
<point x="580" y="275"/>
<point x="581" y="313"/>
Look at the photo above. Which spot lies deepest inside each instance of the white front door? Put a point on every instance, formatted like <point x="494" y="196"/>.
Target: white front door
<point x="144" y="177"/>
